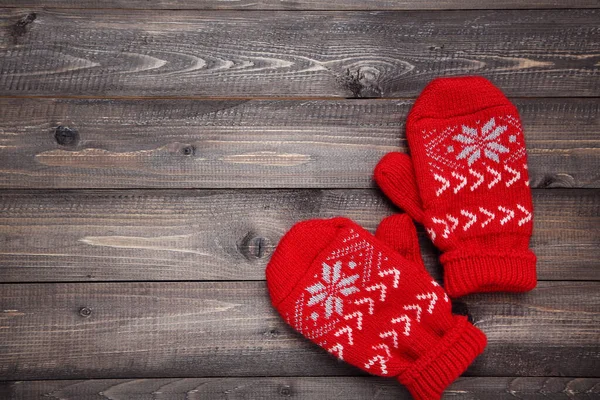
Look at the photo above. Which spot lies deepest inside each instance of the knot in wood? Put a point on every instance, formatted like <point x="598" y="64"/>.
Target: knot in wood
<point x="85" y="312"/>
<point x="66" y="136"/>
<point x="254" y="247"/>
<point x="188" y="150"/>
<point x="285" y="391"/>
<point x="272" y="333"/>
<point x="20" y="27"/>
<point x="558" y="181"/>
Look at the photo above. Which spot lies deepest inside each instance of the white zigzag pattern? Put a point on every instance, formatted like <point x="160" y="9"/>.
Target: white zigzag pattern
<point x="378" y="286"/>
<point x="391" y="333"/>
<point x="366" y="300"/>
<point x="429" y="296"/>
<point x="382" y="363"/>
<point x="516" y="175"/>
<point x="509" y="215"/>
<point x="348" y="331"/>
<point x="359" y="317"/>
<point x="417" y="308"/>
<point x="383" y="346"/>
<point x="454" y="222"/>
<point x="490" y="215"/>
<point x="438" y="285"/>
<point x="450" y="223"/>
<point x="431" y="234"/>
<point x="445" y="184"/>
<point x="497" y="174"/>
<point x="527" y="217"/>
<point x="339" y="349"/>
<point x="473" y="219"/>
<point x="350" y="249"/>
<point x="442" y="222"/>
<point x="477" y="179"/>
<point x="403" y="318"/>
<point x="392" y="271"/>
<point x="462" y="184"/>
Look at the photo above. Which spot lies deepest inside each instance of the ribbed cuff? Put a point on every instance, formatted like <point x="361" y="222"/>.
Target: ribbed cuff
<point x="468" y="273"/>
<point x="433" y="372"/>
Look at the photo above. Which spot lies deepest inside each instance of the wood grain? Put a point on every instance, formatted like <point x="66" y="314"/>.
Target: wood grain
<point x="389" y="54"/>
<point x="190" y="329"/>
<point x="77" y="143"/>
<point x="230" y="234"/>
<point x="376" y="5"/>
<point x="302" y="388"/>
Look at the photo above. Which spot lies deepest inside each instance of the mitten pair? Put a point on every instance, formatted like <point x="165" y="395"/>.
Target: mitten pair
<point x="368" y="299"/>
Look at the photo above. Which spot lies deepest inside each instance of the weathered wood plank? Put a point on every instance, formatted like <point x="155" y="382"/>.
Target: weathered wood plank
<point x="307" y="53"/>
<point x="230" y="234"/>
<point x="187" y="329"/>
<point x="302" y="388"/>
<point x="375" y="5"/>
<point x="259" y="143"/>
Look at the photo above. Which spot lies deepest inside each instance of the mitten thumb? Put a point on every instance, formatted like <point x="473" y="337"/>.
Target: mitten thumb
<point x="398" y="232"/>
<point x="395" y="175"/>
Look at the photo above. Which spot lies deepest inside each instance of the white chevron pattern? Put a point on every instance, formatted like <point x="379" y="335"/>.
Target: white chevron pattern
<point x="472" y="219"/>
<point x="479" y="177"/>
<point x="391" y="271"/>
<point x="462" y="184"/>
<point x="378" y="359"/>
<point x="403" y="318"/>
<point x="359" y="317"/>
<point x="509" y="214"/>
<point x="445" y="184"/>
<point x="431" y="234"/>
<point x="516" y="175"/>
<point x="476" y="178"/>
<point x="417" y="308"/>
<point x="391" y="333"/>
<point x="432" y="297"/>
<point x="446" y="228"/>
<point x="527" y="217"/>
<point x="383" y="346"/>
<point x="454" y="222"/>
<point x="366" y="300"/>
<point x="489" y="214"/>
<point x="498" y="176"/>
<point x="448" y="225"/>
<point x="382" y="290"/>
<point x="339" y="350"/>
<point x="348" y="331"/>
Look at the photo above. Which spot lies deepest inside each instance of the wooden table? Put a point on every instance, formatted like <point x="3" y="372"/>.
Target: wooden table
<point x="152" y="153"/>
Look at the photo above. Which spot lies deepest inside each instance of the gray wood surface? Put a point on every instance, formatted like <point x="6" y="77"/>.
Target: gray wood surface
<point x="190" y="329"/>
<point x="108" y="143"/>
<point x="261" y="53"/>
<point x="303" y="4"/>
<point x="153" y="153"/>
<point x="303" y="388"/>
<point x="113" y="235"/>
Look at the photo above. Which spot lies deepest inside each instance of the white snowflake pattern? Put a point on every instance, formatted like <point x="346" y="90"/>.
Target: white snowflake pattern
<point x="486" y="142"/>
<point x="331" y="289"/>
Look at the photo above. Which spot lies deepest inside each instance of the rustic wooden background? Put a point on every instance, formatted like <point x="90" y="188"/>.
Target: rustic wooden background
<point x="152" y="153"/>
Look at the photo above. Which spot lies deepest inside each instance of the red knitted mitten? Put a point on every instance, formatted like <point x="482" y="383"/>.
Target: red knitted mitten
<point x="356" y="297"/>
<point x="467" y="182"/>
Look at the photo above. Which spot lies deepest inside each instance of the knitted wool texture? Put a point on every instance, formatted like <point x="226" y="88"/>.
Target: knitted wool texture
<point x="467" y="182"/>
<point x="370" y="306"/>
